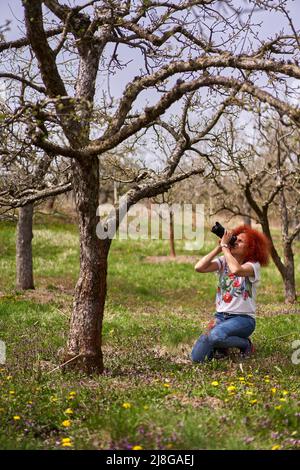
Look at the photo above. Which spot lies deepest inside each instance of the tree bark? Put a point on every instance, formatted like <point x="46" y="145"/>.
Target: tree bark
<point x="289" y="278"/>
<point x="171" y="232"/>
<point x="84" y="344"/>
<point x="24" y="272"/>
<point x="50" y="203"/>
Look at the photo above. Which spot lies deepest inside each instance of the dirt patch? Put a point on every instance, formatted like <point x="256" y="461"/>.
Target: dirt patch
<point x="195" y="402"/>
<point x="169" y="259"/>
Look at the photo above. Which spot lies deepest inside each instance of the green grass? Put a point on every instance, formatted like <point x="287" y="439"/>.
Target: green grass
<point x="150" y="394"/>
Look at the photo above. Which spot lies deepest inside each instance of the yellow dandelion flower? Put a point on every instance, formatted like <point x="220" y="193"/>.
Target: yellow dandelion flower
<point x="8" y="377"/>
<point x="249" y="392"/>
<point x="53" y="399"/>
<point x="252" y="402"/>
<point x="278" y="407"/>
<point x="126" y="405"/>
<point x="166" y="385"/>
<point x="282" y="399"/>
<point x="66" y="423"/>
<point x="276" y="447"/>
<point x="29" y="402"/>
<point x="285" y="392"/>
<point x="69" y="411"/>
<point x="72" y="394"/>
<point x="273" y="390"/>
<point x="66" y="442"/>
<point x="17" y="418"/>
<point x="215" y="383"/>
<point x="65" y="439"/>
<point x="136" y="448"/>
<point x="267" y="377"/>
<point x="231" y="388"/>
<point x="12" y="392"/>
<point x="250" y="375"/>
<point x="242" y="379"/>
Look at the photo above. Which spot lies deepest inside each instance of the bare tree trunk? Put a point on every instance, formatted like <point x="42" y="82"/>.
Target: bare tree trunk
<point x="289" y="278"/>
<point x="24" y="270"/>
<point x="50" y="203"/>
<point x="247" y="210"/>
<point x="171" y="232"/>
<point x="84" y="344"/>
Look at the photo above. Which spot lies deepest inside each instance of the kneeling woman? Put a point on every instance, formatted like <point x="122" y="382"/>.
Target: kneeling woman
<point x="239" y="274"/>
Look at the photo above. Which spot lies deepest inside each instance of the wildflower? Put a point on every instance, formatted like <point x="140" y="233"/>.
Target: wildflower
<point x="294" y="433"/>
<point x="66" y="423"/>
<point x="273" y="390"/>
<point x="278" y="407"/>
<point x="250" y="375"/>
<point x="69" y="411"/>
<point x="53" y="399"/>
<point x="267" y="381"/>
<point x="126" y="405"/>
<point x="249" y="392"/>
<point x="17" y="418"/>
<point x="215" y="383"/>
<point x="282" y="399"/>
<point x="9" y="377"/>
<point x="72" y="394"/>
<point x="166" y="385"/>
<point x="242" y="379"/>
<point x="66" y="442"/>
<point x="276" y="447"/>
<point x="285" y="392"/>
<point x="231" y="388"/>
<point x="29" y="402"/>
<point x="146" y="407"/>
<point x="136" y="448"/>
<point x="12" y="392"/>
<point x="252" y="402"/>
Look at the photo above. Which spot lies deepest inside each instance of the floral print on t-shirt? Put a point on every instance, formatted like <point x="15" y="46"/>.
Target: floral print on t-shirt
<point x="232" y="286"/>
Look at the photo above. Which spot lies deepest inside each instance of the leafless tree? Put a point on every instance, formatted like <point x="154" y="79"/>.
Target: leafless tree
<point x="176" y="48"/>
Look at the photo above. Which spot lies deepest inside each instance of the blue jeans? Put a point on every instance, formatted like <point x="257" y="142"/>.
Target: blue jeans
<point x="230" y="331"/>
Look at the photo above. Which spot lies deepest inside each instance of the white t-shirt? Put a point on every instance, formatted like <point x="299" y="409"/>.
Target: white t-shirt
<point x="236" y="294"/>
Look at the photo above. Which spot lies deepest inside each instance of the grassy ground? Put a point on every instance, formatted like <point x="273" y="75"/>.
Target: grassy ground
<point x="150" y="395"/>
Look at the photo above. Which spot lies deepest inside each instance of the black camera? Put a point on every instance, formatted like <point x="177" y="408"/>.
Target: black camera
<point x="219" y="230"/>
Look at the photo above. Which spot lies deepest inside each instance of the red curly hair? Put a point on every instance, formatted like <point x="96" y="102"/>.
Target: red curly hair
<point x="257" y="243"/>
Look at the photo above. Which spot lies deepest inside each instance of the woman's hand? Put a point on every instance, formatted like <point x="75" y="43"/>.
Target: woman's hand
<point x="226" y="237"/>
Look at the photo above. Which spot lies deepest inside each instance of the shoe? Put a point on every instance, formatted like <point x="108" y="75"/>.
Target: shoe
<point x="221" y="353"/>
<point x="249" y="350"/>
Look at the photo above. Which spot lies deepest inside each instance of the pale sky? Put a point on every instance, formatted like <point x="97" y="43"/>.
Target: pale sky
<point x="12" y="10"/>
<point x="272" y="23"/>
